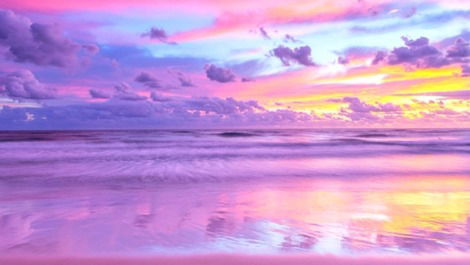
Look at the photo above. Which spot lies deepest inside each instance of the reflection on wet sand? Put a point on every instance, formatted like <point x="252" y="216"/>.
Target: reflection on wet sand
<point x="367" y="215"/>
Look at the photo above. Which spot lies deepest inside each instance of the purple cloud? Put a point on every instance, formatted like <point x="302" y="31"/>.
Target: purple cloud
<point x="36" y="43"/>
<point x="417" y="52"/>
<point x="91" y="48"/>
<point x="159" y="98"/>
<point x="290" y="38"/>
<point x="94" y="93"/>
<point x="23" y="84"/>
<point x="158" y="34"/>
<point x="124" y="91"/>
<point x="379" y="57"/>
<point x="421" y="54"/>
<point x="226" y="106"/>
<point x="184" y="80"/>
<point x="358" y="110"/>
<point x="172" y="112"/>
<point x="460" y="49"/>
<point x="466" y="70"/>
<point x="420" y="42"/>
<point x="300" y="55"/>
<point x="356" y="105"/>
<point x="264" y="33"/>
<point x="219" y="74"/>
<point x="148" y="80"/>
<point x="247" y="79"/>
<point x="343" y="60"/>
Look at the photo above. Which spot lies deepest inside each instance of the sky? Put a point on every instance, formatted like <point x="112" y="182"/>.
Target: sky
<point x="234" y="64"/>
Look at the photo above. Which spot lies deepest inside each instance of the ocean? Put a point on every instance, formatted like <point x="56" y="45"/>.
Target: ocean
<point x="345" y="192"/>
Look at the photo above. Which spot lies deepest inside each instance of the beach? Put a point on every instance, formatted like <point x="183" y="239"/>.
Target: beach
<point x="235" y="197"/>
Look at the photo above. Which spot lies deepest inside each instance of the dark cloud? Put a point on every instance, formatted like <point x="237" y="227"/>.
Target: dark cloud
<point x="460" y="49"/>
<point x="226" y="106"/>
<point x="124" y="91"/>
<point x="148" y="80"/>
<point x="465" y="35"/>
<point x="343" y="60"/>
<point x="358" y="110"/>
<point x="24" y="85"/>
<point x="159" y="98"/>
<point x="158" y="34"/>
<point x="356" y="105"/>
<point x="417" y="52"/>
<point x="410" y="12"/>
<point x="264" y="33"/>
<point x="184" y="80"/>
<point x="299" y="55"/>
<point x="421" y="54"/>
<point x="290" y="38"/>
<point x="466" y="70"/>
<point x="379" y="57"/>
<point x="219" y="74"/>
<point x="36" y="43"/>
<point x="247" y="79"/>
<point x="94" y="93"/>
<point x="92" y="48"/>
<point x="201" y="112"/>
<point x="420" y="42"/>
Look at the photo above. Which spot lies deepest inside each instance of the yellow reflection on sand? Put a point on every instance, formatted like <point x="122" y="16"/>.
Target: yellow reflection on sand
<point x="367" y="210"/>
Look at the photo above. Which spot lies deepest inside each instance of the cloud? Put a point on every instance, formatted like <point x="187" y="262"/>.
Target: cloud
<point x="159" y="98"/>
<point x="417" y="52"/>
<point x="92" y="48"/>
<point x="299" y="55"/>
<point x="195" y="112"/>
<point x="219" y="74"/>
<point x="379" y="57"/>
<point x="124" y="91"/>
<point x="184" y="80"/>
<point x="459" y="94"/>
<point x="94" y="93"/>
<point x="226" y="106"/>
<point x="343" y="60"/>
<point x="421" y="54"/>
<point x="460" y="49"/>
<point x="290" y="38"/>
<point x="465" y="70"/>
<point x="358" y="110"/>
<point x="24" y="85"/>
<point x="148" y="80"/>
<point x="264" y="33"/>
<point x="158" y="34"/>
<point x="36" y="43"/>
<point x="356" y="105"/>
<point x="213" y="112"/>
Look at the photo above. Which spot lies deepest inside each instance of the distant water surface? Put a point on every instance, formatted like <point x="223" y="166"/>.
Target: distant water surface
<point x="345" y="192"/>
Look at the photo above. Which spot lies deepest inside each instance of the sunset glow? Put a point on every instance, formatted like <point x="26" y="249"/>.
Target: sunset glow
<point x="187" y="132"/>
<point x="412" y="57"/>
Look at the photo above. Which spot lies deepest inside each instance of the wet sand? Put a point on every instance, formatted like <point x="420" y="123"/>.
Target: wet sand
<point x="243" y="259"/>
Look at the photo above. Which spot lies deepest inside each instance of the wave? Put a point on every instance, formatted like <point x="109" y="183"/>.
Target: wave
<point x="221" y="155"/>
<point x="237" y="134"/>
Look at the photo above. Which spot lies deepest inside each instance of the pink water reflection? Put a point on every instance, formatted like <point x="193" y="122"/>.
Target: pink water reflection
<point x="367" y="215"/>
